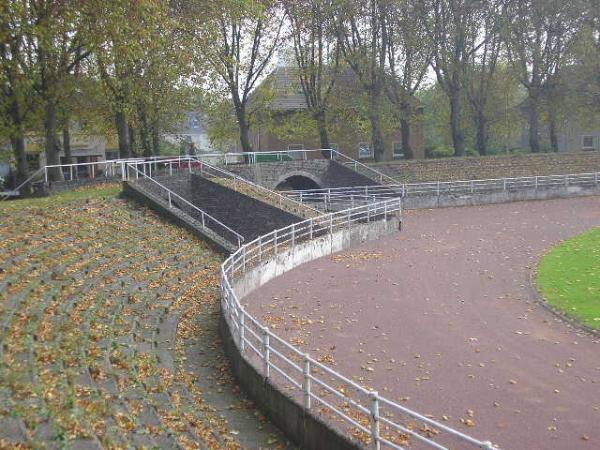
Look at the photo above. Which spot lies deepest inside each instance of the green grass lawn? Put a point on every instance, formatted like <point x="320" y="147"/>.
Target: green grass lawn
<point x="569" y="278"/>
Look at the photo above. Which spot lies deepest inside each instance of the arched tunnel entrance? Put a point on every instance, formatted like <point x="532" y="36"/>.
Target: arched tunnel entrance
<point x="297" y="182"/>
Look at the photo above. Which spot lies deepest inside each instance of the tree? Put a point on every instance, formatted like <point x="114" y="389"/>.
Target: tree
<point x="538" y="35"/>
<point x="317" y="57"/>
<point x="16" y="80"/>
<point x="59" y="34"/>
<point x="238" y="40"/>
<point x="408" y="58"/>
<point x="454" y="29"/>
<point x="480" y="74"/>
<point x="362" y="34"/>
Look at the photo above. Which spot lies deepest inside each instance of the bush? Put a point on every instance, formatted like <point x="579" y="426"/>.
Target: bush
<point x="442" y="152"/>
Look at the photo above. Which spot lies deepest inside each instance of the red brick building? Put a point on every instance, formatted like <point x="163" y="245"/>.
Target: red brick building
<point x="286" y="102"/>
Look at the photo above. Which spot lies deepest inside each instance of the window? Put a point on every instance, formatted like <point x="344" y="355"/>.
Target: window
<point x="364" y="151"/>
<point x="33" y="161"/>
<point x="195" y="122"/>
<point x="587" y="142"/>
<point x="112" y="155"/>
<point x="398" y="150"/>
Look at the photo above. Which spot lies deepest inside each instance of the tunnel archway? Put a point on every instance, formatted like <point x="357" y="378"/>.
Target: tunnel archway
<point x="297" y="182"/>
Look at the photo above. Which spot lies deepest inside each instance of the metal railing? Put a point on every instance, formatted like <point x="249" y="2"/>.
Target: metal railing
<point x="17" y="191"/>
<point x="174" y="200"/>
<point x="297" y="155"/>
<point x="371" y="418"/>
<point x="468" y="187"/>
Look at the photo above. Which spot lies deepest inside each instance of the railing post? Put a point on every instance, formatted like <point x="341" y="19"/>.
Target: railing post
<point x="275" y="241"/>
<point x="259" y="248"/>
<point x="266" y="351"/>
<point x="300" y="196"/>
<point x="242" y="331"/>
<point x="244" y="260"/>
<point x="536" y="182"/>
<point x="46" y="174"/>
<point x="567" y="180"/>
<point x="169" y="195"/>
<point x="293" y="235"/>
<point x="71" y="172"/>
<point x="203" y="220"/>
<point x="310" y="228"/>
<point x="374" y="420"/>
<point x="472" y="187"/>
<point x="331" y="224"/>
<point x="189" y="165"/>
<point x="504" y="184"/>
<point x="150" y="170"/>
<point x="306" y="381"/>
<point x="170" y="169"/>
<point x="123" y="171"/>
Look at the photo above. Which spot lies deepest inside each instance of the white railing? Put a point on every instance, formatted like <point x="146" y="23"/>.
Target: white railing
<point x="363" y="413"/>
<point x="17" y="191"/>
<point x="175" y="200"/>
<point x="444" y="188"/>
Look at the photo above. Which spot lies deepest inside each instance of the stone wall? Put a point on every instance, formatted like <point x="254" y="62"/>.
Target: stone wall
<point x="501" y="166"/>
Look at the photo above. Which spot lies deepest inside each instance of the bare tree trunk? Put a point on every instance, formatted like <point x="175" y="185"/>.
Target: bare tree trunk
<point x="132" y="140"/>
<point x="123" y="134"/>
<point x="155" y="140"/>
<point x="534" y="121"/>
<point x="67" y="143"/>
<point x="482" y="133"/>
<point x="553" y="131"/>
<point x="375" y="119"/>
<point x="52" y="149"/>
<point x="240" y="112"/>
<point x="322" y="126"/>
<point x="18" y="142"/>
<point x="458" y="138"/>
<point x="323" y="134"/>
<point x="405" y="136"/>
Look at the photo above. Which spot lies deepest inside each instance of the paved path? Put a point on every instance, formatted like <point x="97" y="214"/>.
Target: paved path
<point x="442" y="317"/>
<point x="108" y="334"/>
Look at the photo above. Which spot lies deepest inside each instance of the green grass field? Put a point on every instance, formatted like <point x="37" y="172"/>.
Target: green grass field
<point x="569" y="278"/>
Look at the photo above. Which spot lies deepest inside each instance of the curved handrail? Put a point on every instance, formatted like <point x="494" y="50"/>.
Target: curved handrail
<point x="366" y="411"/>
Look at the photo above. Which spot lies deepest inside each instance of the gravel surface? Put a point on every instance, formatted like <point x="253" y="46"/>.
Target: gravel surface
<point x="443" y="318"/>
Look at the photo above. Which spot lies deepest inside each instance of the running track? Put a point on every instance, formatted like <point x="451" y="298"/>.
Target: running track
<point x="443" y="318"/>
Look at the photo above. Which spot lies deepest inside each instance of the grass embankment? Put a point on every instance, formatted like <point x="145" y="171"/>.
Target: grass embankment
<point x="569" y="278"/>
<point x="99" y="299"/>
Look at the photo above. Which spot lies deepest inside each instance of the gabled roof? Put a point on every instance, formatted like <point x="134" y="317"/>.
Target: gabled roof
<point x="285" y="85"/>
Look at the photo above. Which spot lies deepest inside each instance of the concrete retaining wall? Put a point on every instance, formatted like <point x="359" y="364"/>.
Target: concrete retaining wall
<point x="305" y="429"/>
<point x="499" y="166"/>
<point x="445" y="200"/>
